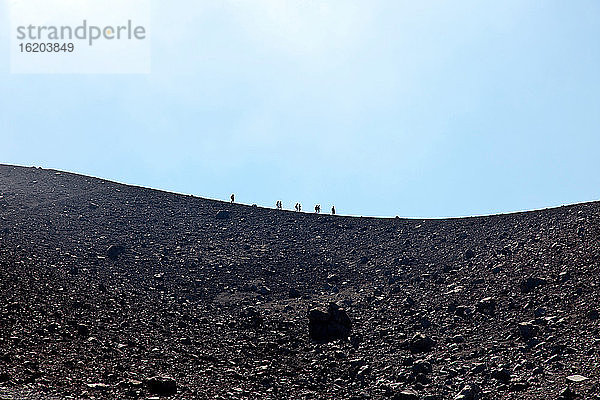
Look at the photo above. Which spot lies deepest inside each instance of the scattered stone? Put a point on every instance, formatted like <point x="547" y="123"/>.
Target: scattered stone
<point x="501" y="374"/>
<point x="265" y="291"/>
<point x="457" y="339"/>
<point x="527" y="330"/>
<point x="564" y="276"/>
<point x="363" y="260"/>
<point x="114" y="251"/>
<point x="98" y="386"/>
<point x="223" y="214"/>
<point x="469" y="254"/>
<point x="529" y="284"/>
<point x="293" y="293"/>
<point x="567" y="394"/>
<point x="422" y="367"/>
<point x="4" y="377"/>
<point x="83" y="330"/>
<point x="162" y="385"/>
<point x="421" y="343"/>
<point x="463" y="311"/>
<point x="468" y="392"/>
<point x="540" y="312"/>
<point x="486" y="306"/>
<point x="330" y="325"/>
<point x="478" y="368"/>
<point x="519" y="386"/>
<point x="577" y="378"/>
<point x="593" y="315"/>
<point x="406" y="395"/>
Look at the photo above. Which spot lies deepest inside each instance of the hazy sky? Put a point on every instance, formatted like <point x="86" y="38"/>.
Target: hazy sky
<point x="409" y="108"/>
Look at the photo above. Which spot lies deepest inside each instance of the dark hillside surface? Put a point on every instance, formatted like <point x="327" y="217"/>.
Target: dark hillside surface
<point x="111" y="291"/>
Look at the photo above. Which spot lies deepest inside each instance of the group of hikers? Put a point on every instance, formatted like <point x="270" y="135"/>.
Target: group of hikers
<point x="297" y="207"/>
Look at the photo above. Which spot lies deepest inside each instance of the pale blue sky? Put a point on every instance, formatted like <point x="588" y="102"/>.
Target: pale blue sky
<point x="409" y="108"/>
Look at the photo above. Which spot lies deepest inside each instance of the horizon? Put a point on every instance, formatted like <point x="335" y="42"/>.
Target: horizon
<point x="287" y="206"/>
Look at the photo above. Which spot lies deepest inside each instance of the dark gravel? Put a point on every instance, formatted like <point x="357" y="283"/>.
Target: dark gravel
<point x="112" y="291"/>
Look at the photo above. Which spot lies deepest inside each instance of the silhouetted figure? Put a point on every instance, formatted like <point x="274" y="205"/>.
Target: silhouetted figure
<point x="296" y="207"/>
<point x="232" y="197"/>
<point x="332" y="210"/>
<point x="279" y="205"/>
<point x="318" y="208"/>
<point x="299" y="207"/>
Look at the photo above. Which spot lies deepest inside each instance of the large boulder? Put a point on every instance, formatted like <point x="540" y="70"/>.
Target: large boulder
<point x="329" y="325"/>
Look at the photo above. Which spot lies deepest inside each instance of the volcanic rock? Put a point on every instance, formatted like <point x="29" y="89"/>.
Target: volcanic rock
<point x="185" y="299"/>
<point x="468" y="392"/>
<point x="529" y="284"/>
<point x="223" y="214"/>
<point x="114" y="251"/>
<point x="329" y="325"/>
<point x="486" y="306"/>
<point x="421" y="343"/>
<point x="162" y="385"/>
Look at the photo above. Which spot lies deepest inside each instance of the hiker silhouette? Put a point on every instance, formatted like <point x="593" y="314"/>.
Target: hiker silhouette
<point x="332" y="210"/>
<point x="232" y="197"/>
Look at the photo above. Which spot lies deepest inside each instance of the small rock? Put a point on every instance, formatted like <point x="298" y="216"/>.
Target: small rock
<point x="114" y="251"/>
<point x="468" y="392"/>
<point x="265" y="291"/>
<point x="463" y="311"/>
<point x="501" y="374"/>
<point x="486" y="306"/>
<point x="531" y="283"/>
<point x="540" y="312"/>
<point x="293" y="293"/>
<point x="422" y="367"/>
<point x="593" y="315"/>
<point x="98" y="386"/>
<point x="457" y="339"/>
<point x="162" y="385"/>
<point x="4" y="377"/>
<point x="406" y="395"/>
<point x="478" y="368"/>
<point x="83" y="330"/>
<point x="469" y="254"/>
<point x="421" y="343"/>
<point x="567" y="394"/>
<point x="564" y="276"/>
<point x="519" y="386"/>
<point x="223" y="214"/>
<point x="527" y="330"/>
<point x="577" y="378"/>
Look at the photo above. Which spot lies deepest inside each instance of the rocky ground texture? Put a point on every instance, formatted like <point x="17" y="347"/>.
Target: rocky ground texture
<point x="110" y="291"/>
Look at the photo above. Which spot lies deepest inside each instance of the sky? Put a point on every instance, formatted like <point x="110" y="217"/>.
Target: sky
<point x="383" y="108"/>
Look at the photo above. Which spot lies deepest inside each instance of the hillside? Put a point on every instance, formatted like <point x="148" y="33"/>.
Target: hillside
<point x="111" y="291"/>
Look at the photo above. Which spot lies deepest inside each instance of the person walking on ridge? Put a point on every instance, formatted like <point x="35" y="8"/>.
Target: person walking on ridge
<point x="232" y="197"/>
<point x="332" y="210"/>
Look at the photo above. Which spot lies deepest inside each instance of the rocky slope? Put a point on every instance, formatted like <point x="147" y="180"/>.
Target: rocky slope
<point x="113" y="291"/>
